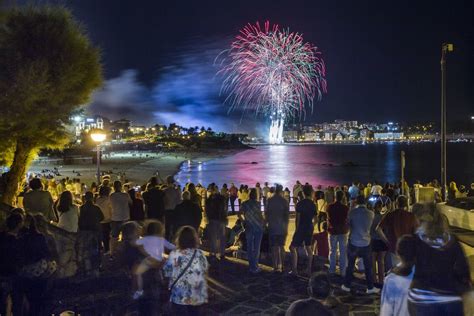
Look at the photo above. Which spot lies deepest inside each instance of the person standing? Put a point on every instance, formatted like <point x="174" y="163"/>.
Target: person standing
<point x="252" y="217"/>
<point x="302" y="238"/>
<point x="171" y="198"/>
<point x="360" y="221"/>
<point x="37" y="266"/>
<point x="233" y="193"/>
<point x="90" y="215"/>
<point x="187" y="269"/>
<point x="103" y="202"/>
<point x="225" y="195"/>
<point x="195" y="197"/>
<point x="277" y="217"/>
<point x="265" y="195"/>
<point x="353" y="191"/>
<point x="187" y="213"/>
<point x="297" y="189"/>
<point x="39" y="201"/>
<point x="68" y="212"/>
<point x="394" y="298"/>
<point x="378" y="246"/>
<point x="153" y="199"/>
<point x="217" y="217"/>
<point x="137" y="212"/>
<point x="442" y="275"/>
<point x="259" y="192"/>
<point x="338" y="228"/>
<point x="395" y="224"/>
<point x="10" y="248"/>
<point x="120" y="202"/>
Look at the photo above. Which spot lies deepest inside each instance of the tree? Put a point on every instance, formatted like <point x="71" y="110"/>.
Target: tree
<point x="48" y="68"/>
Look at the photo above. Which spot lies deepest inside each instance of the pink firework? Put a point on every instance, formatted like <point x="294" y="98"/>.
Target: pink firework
<point x="272" y="71"/>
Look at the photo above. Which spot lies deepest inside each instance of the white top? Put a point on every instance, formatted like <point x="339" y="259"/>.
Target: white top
<point x="394" y="294"/>
<point x="171" y="198"/>
<point x="376" y="190"/>
<point x="70" y="219"/>
<point x="105" y="206"/>
<point x="155" y="246"/>
<point x="120" y="202"/>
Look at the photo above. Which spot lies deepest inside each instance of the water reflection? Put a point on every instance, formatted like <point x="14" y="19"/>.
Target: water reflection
<point x="330" y="164"/>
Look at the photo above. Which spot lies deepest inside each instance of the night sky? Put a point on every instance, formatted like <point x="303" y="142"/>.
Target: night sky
<point x="382" y="57"/>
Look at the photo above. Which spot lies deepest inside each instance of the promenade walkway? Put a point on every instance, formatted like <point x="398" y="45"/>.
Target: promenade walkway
<point x="233" y="291"/>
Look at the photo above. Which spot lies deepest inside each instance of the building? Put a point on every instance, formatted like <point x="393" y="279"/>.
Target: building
<point x="290" y="136"/>
<point x="388" y="136"/>
<point x="311" y="136"/>
<point x="84" y="125"/>
<point x="138" y="129"/>
<point x="120" y="129"/>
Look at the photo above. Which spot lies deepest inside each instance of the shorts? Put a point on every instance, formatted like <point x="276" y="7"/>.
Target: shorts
<point x="302" y="238"/>
<point x="115" y="228"/>
<point x="277" y="240"/>
<point x="378" y="245"/>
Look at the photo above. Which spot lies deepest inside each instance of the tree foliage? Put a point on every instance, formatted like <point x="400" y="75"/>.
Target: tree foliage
<point x="48" y="68"/>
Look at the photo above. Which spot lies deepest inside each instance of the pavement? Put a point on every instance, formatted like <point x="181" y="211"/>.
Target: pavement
<point x="232" y="291"/>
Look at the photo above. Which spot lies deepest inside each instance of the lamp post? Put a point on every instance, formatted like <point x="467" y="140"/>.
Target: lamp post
<point x="445" y="48"/>
<point x="98" y="136"/>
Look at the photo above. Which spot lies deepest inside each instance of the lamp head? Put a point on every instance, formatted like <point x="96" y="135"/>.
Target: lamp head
<point x="98" y="135"/>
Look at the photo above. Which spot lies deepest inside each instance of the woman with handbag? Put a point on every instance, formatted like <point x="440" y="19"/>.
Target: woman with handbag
<point x="187" y="270"/>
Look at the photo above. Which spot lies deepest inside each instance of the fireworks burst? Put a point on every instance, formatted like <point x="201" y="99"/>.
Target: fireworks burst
<point x="272" y="71"/>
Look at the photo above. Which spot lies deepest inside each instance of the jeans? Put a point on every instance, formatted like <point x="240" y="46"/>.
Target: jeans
<point x="105" y="236"/>
<point x="366" y="254"/>
<point x="115" y="227"/>
<point x="335" y="242"/>
<point x="232" y="203"/>
<point x="254" y="238"/>
<point x="435" y="309"/>
<point x="217" y="239"/>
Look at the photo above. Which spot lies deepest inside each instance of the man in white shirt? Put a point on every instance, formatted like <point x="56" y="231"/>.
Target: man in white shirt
<point x="376" y="189"/>
<point x="171" y="198"/>
<point x="120" y="202"/>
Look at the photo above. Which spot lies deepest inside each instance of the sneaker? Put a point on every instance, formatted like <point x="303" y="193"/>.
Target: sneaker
<point x="293" y="274"/>
<point x="373" y="290"/>
<point x="345" y="288"/>
<point x="137" y="295"/>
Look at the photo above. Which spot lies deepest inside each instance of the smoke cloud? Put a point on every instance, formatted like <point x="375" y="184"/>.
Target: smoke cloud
<point x="186" y="92"/>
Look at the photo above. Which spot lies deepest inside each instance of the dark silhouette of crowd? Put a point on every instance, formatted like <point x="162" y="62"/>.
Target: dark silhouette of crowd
<point x="403" y="247"/>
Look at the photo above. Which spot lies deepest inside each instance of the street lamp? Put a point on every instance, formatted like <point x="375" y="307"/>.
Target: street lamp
<point x="445" y="48"/>
<point x="98" y="136"/>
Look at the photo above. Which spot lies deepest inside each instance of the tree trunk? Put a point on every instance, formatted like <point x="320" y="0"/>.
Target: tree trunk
<point x="21" y="160"/>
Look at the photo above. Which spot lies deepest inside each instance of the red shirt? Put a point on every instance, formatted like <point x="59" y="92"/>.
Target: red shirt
<point x="322" y="244"/>
<point x="337" y="218"/>
<point x="233" y="191"/>
<point x="396" y="224"/>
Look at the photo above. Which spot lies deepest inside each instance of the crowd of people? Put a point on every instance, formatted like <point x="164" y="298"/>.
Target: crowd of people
<point x="158" y="229"/>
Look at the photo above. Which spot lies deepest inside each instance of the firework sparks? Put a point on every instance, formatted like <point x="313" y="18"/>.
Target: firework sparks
<point x="272" y="71"/>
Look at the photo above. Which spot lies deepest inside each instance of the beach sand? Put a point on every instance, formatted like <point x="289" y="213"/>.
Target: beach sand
<point x="137" y="167"/>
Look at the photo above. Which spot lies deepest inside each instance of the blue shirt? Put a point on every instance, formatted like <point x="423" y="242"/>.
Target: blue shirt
<point x="360" y="221"/>
<point x="353" y="191"/>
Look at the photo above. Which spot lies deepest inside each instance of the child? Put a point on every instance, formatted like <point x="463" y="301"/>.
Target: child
<point x="397" y="282"/>
<point x="321" y="244"/>
<point x="154" y="246"/>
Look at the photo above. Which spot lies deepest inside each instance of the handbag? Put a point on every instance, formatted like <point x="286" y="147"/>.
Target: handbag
<point x="167" y="307"/>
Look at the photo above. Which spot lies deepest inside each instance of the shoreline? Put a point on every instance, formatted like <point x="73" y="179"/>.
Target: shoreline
<point x="135" y="166"/>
